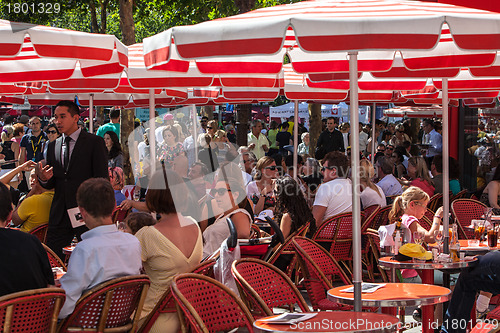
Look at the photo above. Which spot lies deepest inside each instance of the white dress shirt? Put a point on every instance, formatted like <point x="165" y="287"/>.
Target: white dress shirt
<point x="103" y="254"/>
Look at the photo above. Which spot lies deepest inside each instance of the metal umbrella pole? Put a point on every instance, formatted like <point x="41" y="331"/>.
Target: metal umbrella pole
<point x="373" y="143"/>
<point x="152" y="128"/>
<point x="195" y="131"/>
<point x="446" y="162"/>
<point x="295" y="138"/>
<point x="356" y="203"/>
<point x="91" y="113"/>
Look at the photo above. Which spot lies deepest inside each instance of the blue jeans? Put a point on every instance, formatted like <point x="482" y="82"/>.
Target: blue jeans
<point x="484" y="276"/>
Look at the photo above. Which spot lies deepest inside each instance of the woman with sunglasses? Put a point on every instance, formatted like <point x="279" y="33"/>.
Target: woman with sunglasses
<point x="230" y="198"/>
<point x="260" y="191"/>
<point x="52" y="133"/>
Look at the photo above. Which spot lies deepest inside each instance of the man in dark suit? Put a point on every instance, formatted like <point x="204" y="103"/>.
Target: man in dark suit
<point x="329" y="140"/>
<point x="71" y="159"/>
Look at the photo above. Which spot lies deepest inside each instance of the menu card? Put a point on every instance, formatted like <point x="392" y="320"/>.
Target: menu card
<point x="289" y="318"/>
<point x="365" y="287"/>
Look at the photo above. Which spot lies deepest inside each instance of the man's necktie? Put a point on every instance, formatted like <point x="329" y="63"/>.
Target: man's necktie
<point x="66" y="152"/>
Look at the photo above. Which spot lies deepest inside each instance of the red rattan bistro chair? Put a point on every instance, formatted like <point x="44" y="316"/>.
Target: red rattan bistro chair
<point x="264" y="287"/>
<point x="112" y="306"/>
<point x="319" y="269"/>
<point x="33" y="311"/>
<point x="382" y="217"/>
<point x="371" y="258"/>
<point x="208" y="305"/>
<point x="285" y="257"/>
<point x="335" y="235"/>
<point x="464" y="211"/>
<point x="54" y="260"/>
<point x="369" y="214"/>
<point x="40" y="232"/>
<point x="166" y="303"/>
<point x="435" y="202"/>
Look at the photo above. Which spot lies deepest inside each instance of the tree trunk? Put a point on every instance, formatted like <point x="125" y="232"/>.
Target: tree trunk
<point x="104" y="5"/>
<point x="126" y="127"/>
<point x="93" y="17"/>
<point x="314" y="126"/>
<point x="243" y="117"/>
<point x="208" y="111"/>
<point x="244" y="5"/>
<point x="99" y="115"/>
<point x="127" y="25"/>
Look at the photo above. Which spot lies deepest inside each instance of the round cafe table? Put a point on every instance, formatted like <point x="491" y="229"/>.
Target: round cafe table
<point x="394" y="295"/>
<point x="426" y="272"/>
<point x="335" y="321"/>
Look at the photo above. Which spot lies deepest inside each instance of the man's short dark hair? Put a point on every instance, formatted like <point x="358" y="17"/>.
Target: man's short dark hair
<point x="5" y="203"/>
<point x="204" y="170"/>
<point x="72" y="107"/>
<point x="438" y="163"/>
<point x="97" y="197"/>
<point x="385" y="164"/>
<point x="204" y="118"/>
<point x="338" y="160"/>
<point x="285" y="125"/>
<point x="114" y="113"/>
<point x="289" y="160"/>
<point x="428" y="121"/>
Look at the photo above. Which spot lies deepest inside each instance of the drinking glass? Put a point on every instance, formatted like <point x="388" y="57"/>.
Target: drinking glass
<point x="439" y="237"/>
<point x="418" y="237"/>
<point x="479" y="231"/>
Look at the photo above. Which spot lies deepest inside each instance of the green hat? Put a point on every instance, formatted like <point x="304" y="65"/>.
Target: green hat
<point x="411" y="250"/>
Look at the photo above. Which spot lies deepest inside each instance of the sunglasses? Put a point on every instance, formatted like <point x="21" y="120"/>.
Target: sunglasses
<point x="220" y="191"/>
<point x="51" y="132"/>
<point x="272" y="167"/>
<point x="209" y="127"/>
<point x="401" y="131"/>
<point x="389" y="148"/>
<point x="203" y="121"/>
<point x="327" y="167"/>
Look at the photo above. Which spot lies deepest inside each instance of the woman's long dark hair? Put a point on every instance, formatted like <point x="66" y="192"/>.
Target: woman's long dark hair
<point x="116" y="149"/>
<point x="289" y="199"/>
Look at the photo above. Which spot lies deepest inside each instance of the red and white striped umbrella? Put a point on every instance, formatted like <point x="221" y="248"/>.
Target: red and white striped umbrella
<point x="39" y="53"/>
<point x="308" y="29"/>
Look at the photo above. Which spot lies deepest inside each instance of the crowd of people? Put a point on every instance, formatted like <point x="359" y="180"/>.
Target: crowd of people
<point x="74" y="181"/>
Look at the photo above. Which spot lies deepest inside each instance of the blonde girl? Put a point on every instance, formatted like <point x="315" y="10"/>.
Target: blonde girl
<point x="410" y="207"/>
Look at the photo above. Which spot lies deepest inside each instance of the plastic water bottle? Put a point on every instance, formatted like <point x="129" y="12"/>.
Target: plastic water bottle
<point x="74" y="241"/>
<point x="397" y="242"/>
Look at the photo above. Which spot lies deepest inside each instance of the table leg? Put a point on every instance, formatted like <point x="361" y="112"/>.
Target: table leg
<point x="390" y="311"/>
<point x="427" y="276"/>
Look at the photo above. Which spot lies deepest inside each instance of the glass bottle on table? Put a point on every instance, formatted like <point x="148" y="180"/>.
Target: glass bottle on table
<point x="454" y="244"/>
